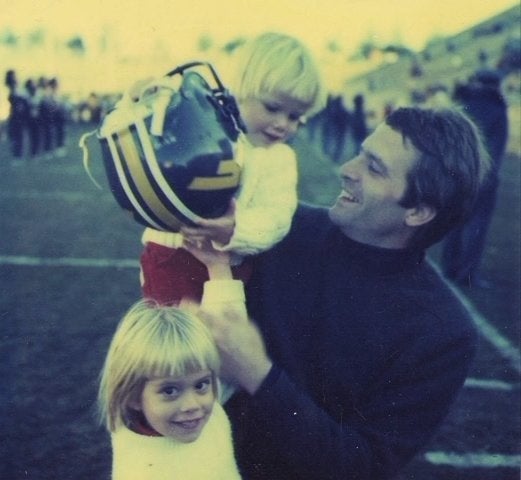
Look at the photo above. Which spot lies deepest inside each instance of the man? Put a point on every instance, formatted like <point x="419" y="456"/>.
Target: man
<point x="361" y="348"/>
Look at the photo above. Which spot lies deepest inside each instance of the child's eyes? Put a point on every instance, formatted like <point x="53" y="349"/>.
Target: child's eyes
<point x="293" y="117"/>
<point x="170" y="391"/>
<point x="271" y="108"/>
<point x="203" y="386"/>
<point x="296" y="117"/>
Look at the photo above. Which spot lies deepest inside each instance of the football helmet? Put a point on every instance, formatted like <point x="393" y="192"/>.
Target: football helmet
<point x="171" y="156"/>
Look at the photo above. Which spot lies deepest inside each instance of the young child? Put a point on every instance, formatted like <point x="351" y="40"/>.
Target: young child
<point x="278" y="84"/>
<point x="157" y="397"/>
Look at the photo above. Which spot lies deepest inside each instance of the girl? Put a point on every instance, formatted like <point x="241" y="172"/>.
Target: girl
<point x="276" y="86"/>
<point x="157" y="398"/>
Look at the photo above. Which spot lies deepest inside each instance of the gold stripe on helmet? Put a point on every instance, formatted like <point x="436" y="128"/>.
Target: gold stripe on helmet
<point x="141" y="181"/>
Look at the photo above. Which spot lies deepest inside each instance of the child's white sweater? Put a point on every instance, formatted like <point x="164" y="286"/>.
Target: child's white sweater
<point x="265" y="205"/>
<point x="210" y="457"/>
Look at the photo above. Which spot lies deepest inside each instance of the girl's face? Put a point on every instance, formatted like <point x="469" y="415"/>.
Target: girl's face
<point x="272" y="118"/>
<point x="178" y="407"/>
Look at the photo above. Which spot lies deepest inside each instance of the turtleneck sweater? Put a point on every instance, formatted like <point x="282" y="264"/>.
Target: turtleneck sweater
<point x="369" y="346"/>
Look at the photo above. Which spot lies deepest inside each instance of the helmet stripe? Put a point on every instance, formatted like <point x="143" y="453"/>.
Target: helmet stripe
<point x="157" y="174"/>
<point x="140" y="180"/>
<point x="127" y="190"/>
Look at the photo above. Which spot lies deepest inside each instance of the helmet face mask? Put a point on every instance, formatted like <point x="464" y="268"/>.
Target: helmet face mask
<point x="171" y="157"/>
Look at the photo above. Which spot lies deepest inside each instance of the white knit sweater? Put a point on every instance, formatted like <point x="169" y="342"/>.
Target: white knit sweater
<point x="210" y="457"/>
<point x="265" y="205"/>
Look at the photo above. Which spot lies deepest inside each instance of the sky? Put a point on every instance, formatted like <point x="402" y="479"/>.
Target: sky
<point x="136" y="27"/>
<point x="414" y="21"/>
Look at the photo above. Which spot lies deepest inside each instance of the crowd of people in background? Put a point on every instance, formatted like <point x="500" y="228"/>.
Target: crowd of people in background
<point x="37" y="113"/>
<point x="37" y="117"/>
<point x="339" y="129"/>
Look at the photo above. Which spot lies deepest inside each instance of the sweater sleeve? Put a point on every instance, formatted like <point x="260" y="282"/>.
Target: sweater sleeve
<point x="224" y="295"/>
<point x="371" y="440"/>
<point x="219" y="296"/>
<point x="267" y="202"/>
<point x="357" y="431"/>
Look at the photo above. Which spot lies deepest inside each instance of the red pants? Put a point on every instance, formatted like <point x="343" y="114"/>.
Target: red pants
<point x="171" y="274"/>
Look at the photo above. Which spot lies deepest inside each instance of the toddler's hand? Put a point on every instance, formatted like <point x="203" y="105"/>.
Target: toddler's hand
<point x="219" y="230"/>
<point x="217" y="263"/>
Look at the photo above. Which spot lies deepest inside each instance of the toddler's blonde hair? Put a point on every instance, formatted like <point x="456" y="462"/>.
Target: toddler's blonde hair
<point x="274" y="62"/>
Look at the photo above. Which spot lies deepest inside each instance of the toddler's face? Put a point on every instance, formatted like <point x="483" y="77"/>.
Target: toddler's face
<point x="272" y="118"/>
<point x="179" y="407"/>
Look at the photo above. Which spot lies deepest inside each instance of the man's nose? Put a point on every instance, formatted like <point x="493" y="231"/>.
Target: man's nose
<point x="351" y="168"/>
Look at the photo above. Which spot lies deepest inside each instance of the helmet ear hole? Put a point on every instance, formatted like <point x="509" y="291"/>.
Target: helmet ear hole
<point x="171" y="156"/>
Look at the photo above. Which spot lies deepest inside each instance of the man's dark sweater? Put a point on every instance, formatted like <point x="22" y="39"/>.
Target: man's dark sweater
<point x="369" y="349"/>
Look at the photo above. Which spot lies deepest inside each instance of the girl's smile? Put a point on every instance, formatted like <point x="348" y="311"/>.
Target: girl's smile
<point x="179" y="407"/>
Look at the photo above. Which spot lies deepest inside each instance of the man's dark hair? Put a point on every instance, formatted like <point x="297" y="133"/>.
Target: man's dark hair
<point x="448" y="173"/>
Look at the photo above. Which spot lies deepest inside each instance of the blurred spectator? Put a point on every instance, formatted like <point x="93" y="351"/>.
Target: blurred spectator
<point x="336" y="122"/>
<point x="94" y="105"/>
<point x="388" y="109"/>
<point x="33" y="118"/>
<point x="438" y="96"/>
<point x="18" y="114"/>
<point x="416" y="69"/>
<point x="463" y="248"/>
<point x="93" y="108"/>
<point x="314" y="125"/>
<point x="483" y="58"/>
<point x="52" y="113"/>
<point x="510" y="60"/>
<point x="358" y="122"/>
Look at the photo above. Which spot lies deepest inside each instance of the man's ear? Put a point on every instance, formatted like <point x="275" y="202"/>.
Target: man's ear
<point x="420" y="215"/>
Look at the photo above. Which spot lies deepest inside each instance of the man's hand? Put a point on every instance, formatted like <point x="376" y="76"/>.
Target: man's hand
<point x="243" y="354"/>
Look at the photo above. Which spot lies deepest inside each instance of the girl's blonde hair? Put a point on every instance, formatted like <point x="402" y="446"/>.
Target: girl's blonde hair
<point x="151" y="340"/>
<point x="274" y="62"/>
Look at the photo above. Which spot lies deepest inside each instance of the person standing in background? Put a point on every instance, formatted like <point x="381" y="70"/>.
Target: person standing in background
<point x="33" y="117"/>
<point x="358" y="123"/>
<point x="53" y="119"/>
<point x="463" y="248"/>
<point x="18" y="115"/>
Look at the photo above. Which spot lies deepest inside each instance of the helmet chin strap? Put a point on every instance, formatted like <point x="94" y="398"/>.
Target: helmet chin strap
<point x="159" y="112"/>
<point x="85" y="150"/>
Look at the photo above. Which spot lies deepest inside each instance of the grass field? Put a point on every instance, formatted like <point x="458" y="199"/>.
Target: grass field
<point x="68" y="270"/>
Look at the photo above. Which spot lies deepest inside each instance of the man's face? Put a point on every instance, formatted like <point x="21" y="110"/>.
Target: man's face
<point x="367" y="209"/>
